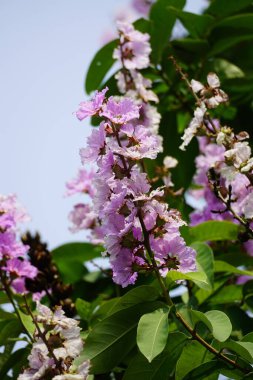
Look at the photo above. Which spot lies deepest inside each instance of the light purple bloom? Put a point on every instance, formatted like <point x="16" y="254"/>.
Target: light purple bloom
<point x="120" y="111"/>
<point x="82" y="183"/>
<point x="91" y="108"/>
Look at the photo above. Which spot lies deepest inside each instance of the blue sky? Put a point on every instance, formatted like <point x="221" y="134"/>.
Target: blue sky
<point x="46" y="47"/>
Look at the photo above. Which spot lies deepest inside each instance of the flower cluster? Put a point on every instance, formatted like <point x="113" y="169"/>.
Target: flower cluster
<point x="208" y="97"/>
<point x="142" y="6"/>
<point x="224" y="166"/>
<point x="57" y="344"/>
<point x="140" y="232"/>
<point x="48" y="281"/>
<point x="14" y="266"/>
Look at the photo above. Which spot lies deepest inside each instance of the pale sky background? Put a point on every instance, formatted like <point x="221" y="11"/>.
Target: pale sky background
<point x="45" y="49"/>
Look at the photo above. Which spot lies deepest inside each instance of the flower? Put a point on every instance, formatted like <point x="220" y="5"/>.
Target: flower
<point x="211" y="94"/>
<point x="92" y="107"/>
<point x="82" y="183"/>
<point x="120" y="111"/>
<point x="135" y="48"/>
<point x="193" y="127"/>
<point x="61" y="335"/>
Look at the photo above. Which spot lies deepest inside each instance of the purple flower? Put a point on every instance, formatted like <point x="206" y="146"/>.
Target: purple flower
<point x="142" y="6"/>
<point x="20" y="268"/>
<point x="123" y="273"/>
<point x="96" y="144"/>
<point x="92" y="107"/>
<point x="120" y="111"/>
<point x="135" y="47"/>
<point x="82" y="217"/>
<point x="82" y="183"/>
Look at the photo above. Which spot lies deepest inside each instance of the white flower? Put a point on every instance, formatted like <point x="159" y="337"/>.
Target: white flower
<point x="239" y="154"/>
<point x="170" y="162"/>
<point x="192" y="129"/>
<point x="248" y="166"/>
<point x="211" y="94"/>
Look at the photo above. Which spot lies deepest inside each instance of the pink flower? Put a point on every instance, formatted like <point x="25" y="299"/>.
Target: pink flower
<point x="82" y="217"/>
<point x="92" y="107"/>
<point x="82" y="183"/>
<point x="120" y="111"/>
<point x="96" y="144"/>
<point x="20" y="268"/>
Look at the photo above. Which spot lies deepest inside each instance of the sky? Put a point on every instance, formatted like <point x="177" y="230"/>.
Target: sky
<point x="46" y="47"/>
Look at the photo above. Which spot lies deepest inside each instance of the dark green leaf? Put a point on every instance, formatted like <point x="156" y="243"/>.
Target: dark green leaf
<point x="83" y="309"/>
<point x="152" y="333"/>
<point x="100" y="66"/>
<point x="162" y="366"/>
<point x="222" y="8"/>
<point x="192" y="356"/>
<point x="113" y="338"/>
<point x="243" y="349"/>
<point x="163" y="21"/>
<point x="196" y="24"/>
<point x="70" y="258"/>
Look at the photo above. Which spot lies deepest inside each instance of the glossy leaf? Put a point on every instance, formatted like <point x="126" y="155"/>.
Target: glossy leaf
<point x="152" y="333"/>
<point x="213" y="231"/>
<point x="112" y="339"/>
<point x="192" y="356"/>
<point x="71" y="256"/>
<point x="162" y="366"/>
<point x="163" y="21"/>
<point x="205" y="260"/>
<point x="222" y="266"/>
<point x="222" y="8"/>
<point x="196" y="24"/>
<point x="100" y="66"/>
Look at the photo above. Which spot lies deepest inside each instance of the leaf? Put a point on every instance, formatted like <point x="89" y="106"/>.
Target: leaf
<point x="9" y="329"/>
<point x="243" y="349"/>
<point x="221" y="8"/>
<point x="213" y="231"/>
<point x="243" y="22"/>
<point x="100" y="66"/>
<point x="70" y="258"/>
<point x="199" y="278"/>
<point x="135" y="296"/>
<point x="163" y="21"/>
<point x="215" y="320"/>
<point x="83" y="309"/>
<point x="27" y="322"/>
<point x="193" y="355"/>
<point x="227" y="69"/>
<point x="227" y="294"/>
<point x="191" y="45"/>
<point x="15" y="362"/>
<point x="205" y="260"/>
<point x="152" y="333"/>
<point x="223" y="44"/>
<point x="222" y="266"/>
<point x="162" y="366"/>
<point x="196" y="24"/>
<point x="113" y="338"/>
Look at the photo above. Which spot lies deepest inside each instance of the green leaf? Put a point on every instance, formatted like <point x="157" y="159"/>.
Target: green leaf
<point x="222" y="266"/>
<point x="192" y="356"/>
<point x="194" y="23"/>
<point x="15" y="362"/>
<point x="242" y="22"/>
<point x="113" y="338"/>
<point x="215" y="320"/>
<point x="70" y="258"/>
<point x="227" y="294"/>
<point x="152" y="333"/>
<point x="162" y="366"/>
<point x="83" y="309"/>
<point x="9" y="329"/>
<point x="199" y="278"/>
<point x="222" y="8"/>
<point x="205" y="260"/>
<point x="135" y="296"/>
<point x="222" y="44"/>
<point x="163" y="21"/>
<point x="243" y="349"/>
<point x="227" y="69"/>
<point x="191" y="45"/>
<point x="27" y="322"/>
<point x="213" y="231"/>
<point x="100" y="66"/>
